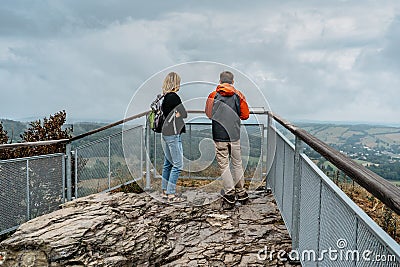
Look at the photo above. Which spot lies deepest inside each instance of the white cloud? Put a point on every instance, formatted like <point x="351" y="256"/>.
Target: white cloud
<point x="330" y="61"/>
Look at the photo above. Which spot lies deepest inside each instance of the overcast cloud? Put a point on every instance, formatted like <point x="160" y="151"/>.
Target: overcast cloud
<point x="314" y="60"/>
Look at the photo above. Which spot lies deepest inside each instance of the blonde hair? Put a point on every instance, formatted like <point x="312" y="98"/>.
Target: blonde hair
<point x="171" y="83"/>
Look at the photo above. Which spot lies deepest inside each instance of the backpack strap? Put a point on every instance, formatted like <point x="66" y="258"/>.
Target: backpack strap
<point x="153" y="105"/>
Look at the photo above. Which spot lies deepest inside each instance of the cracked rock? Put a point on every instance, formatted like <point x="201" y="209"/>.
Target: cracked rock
<point x="120" y="229"/>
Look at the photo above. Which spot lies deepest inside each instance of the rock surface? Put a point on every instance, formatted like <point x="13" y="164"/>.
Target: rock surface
<point x="138" y="230"/>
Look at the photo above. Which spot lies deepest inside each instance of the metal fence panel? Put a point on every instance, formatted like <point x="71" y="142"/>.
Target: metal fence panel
<point x="309" y="210"/>
<point x="199" y="151"/>
<point x="328" y="218"/>
<point x="131" y="168"/>
<point x="288" y="186"/>
<point x="367" y="240"/>
<point x="92" y="168"/>
<point x="279" y="173"/>
<point x="271" y="181"/>
<point x="338" y="228"/>
<point x="46" y="184"/>
<point x="13" y="194"/>
<point x="102" y="165"/>
<point x="30" y="187"/>
<point x="122" y="153"/>
<point x="342" y="225"/>
<point x="252" y="136"/>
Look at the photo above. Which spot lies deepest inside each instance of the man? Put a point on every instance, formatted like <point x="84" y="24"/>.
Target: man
<point x="226" y="106"/>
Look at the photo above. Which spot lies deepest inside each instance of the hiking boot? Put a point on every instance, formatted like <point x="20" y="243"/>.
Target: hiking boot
<point x="243" y="198"/>
<point x="227" y="206"/>
<point x="228" y="198"/>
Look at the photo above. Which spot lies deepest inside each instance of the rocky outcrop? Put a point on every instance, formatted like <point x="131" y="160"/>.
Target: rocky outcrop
<point x="123" y="229"/>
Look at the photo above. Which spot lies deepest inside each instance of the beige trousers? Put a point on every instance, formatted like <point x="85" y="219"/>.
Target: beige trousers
<point x="233" y="182"/>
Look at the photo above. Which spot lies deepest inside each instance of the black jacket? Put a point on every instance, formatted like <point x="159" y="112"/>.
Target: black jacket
<point x="173" y="125"/>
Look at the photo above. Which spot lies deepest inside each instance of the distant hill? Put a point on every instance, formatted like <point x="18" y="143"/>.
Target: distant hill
<point x="368" y="135"/>
<point x="376" y="147"/>
<point x="84" y="127"/>
<point x="338" y="134"/>
<point x="14" y="129"/>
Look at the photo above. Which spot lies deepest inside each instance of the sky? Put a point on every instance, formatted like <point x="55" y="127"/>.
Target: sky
<point x="313" y="60"/>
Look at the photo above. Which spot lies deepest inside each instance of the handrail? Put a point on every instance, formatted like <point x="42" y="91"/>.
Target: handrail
<point x="256" y="112"/>
<point x="252" y="111"/>
<point x="385" y="191"/>
<point x="108" y="126"/>
<point x="376" y="185"/>
<point x="38" y="143"/>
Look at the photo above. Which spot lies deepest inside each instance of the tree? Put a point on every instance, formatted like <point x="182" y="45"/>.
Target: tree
<point x="3" y="140"/>
<point x="3" y="135"/>
<point x="50" y="129"/>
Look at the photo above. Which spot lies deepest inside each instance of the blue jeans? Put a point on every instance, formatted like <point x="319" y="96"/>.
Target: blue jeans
<point x="173" y="162"/>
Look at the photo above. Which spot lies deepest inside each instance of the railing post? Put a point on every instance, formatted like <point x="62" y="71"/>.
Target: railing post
<point x="190" y="150"/>
<point x="296" y="194"/>
<point x="109" y="163"/>
<point x="63" y="178"/>
<point x="155" y="157"/>
<point x="28" y="197"/>
<point x="69" y="171"/>
<point x="148" y="181"/>
<point x="262" y="152"/>
<point x="270" y="150"/>
<point x="141" y="153"/>
<point x="76" y="173"/>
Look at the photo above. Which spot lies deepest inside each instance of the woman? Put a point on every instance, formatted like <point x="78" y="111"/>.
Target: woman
<point x="173" y="127"/>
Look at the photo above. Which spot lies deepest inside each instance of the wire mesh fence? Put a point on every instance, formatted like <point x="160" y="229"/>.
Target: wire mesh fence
<point x="199" y="152"/>
<point x="329" y="220"/>
<point x="109" y="162"/>
<point x="30" y="187"/>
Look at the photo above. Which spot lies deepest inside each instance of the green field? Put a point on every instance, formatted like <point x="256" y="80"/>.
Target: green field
<point x="368" y="135"/>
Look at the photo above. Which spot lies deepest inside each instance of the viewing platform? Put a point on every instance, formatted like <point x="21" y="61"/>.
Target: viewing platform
<point x="119" y="229"/>
<point x="294" y="208"/>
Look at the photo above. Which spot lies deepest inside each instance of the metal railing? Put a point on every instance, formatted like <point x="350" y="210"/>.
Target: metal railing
<point x="199" y="152"/>
<point x="33" y="186"/>
<point x="37" y="185"/>
<point x="102" y="165"/>
<point x="318" y="214"/>
<point x="196" y="134"/>
<point x="30" y="187"/>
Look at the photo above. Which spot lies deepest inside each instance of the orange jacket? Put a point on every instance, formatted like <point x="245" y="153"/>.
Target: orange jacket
<point x="219" y="107"/>
<point x="226" y="89"/>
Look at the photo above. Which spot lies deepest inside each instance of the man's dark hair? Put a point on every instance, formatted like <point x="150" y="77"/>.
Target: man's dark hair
<point x="226" y="77"/>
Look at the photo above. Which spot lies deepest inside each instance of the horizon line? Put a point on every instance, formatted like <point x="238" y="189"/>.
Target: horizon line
<point x="312" y="121"/>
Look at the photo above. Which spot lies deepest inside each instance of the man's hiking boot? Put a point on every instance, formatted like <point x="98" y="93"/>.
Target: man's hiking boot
<point x="243" y="198"/>
<point x="228" y="198"/>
